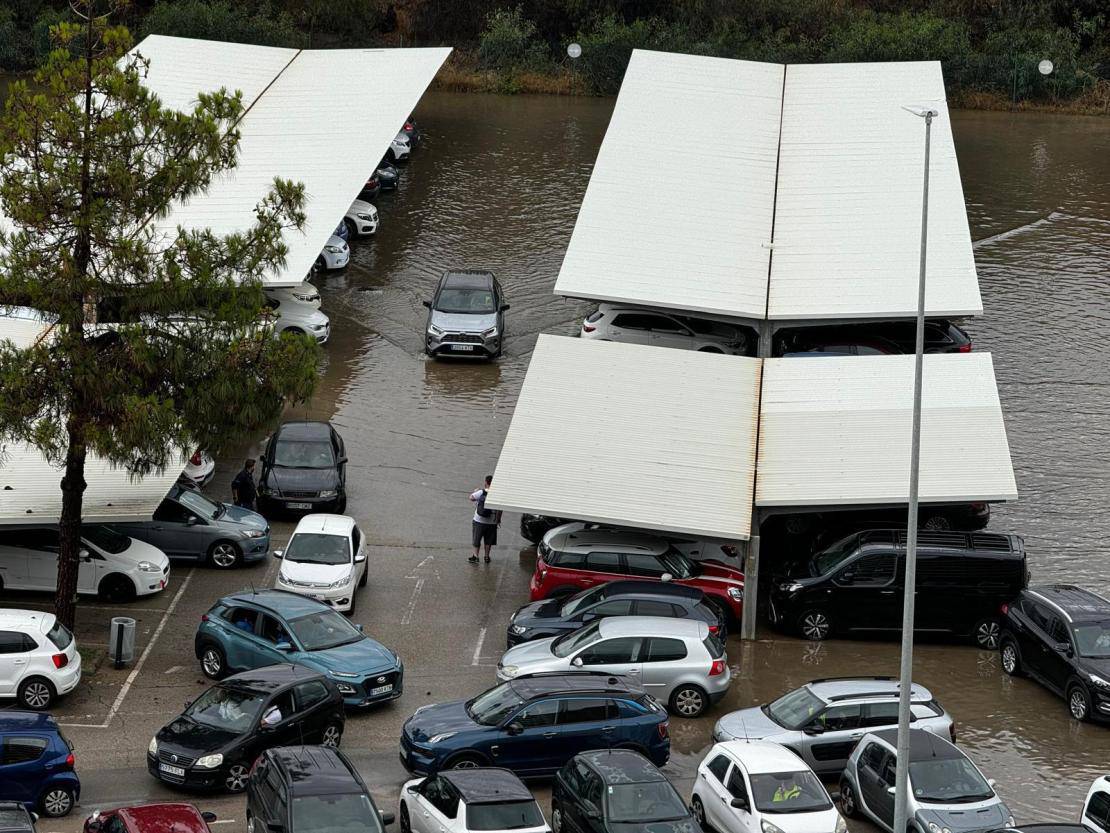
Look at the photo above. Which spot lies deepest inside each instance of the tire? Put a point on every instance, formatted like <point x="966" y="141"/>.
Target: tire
<point x="405" y="822"/>
<point x="236" y="779"/>
<point x="332" y="735"/>
<point x="36" y="693"/>
<point x="987" y="633"/>
<point x="224" y="555"/>
<point x="465" y="761"/>
<point x="293" y="331"/>
<point x="710" y="350"/>
<point x="350" y="611"/>
<point x="352" y="232"/>
<point x="556" y="818"/>
<point x="689" y="701"/>
<point x="365" y="577"/>
<point x="848" y="803"/>
<point x="936" y="522"/>
<point x="319" y="266"/>
<point x="1079" y="702"/>
<point x="341" y="506"/>
<point x="1011" y="657"/>
<point x="213" y="661"/>
<point x="117" y="589"/>
<point x="815" y="625"/>
<point x="56" y="802"/>
<point x="698" y="809"/>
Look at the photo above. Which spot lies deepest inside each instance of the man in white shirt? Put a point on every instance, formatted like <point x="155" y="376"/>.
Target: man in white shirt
<point x="484" y="525"/>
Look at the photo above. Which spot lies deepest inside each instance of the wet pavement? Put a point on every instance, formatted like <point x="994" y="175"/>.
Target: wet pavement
<point x="497" y="185"/>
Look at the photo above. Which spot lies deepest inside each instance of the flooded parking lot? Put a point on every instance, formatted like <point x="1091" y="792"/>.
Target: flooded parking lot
<point x="497" y="185"/>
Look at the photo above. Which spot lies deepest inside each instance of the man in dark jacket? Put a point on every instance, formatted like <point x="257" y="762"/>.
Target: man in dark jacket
<point x="243" y="490"/>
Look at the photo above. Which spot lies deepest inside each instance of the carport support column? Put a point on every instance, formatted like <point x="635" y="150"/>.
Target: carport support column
<point x="751" y="583"/>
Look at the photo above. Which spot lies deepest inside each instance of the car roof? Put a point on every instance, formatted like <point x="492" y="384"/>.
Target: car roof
<point x="830" y="689"/>
<point x="531" y="686"/>
<point x="759" y="756"/>
<point x="467" y="279"/>
<point x="30" y="619"/>
<point x="281" y="602"/>
<point x="304" y="430"/>
<point x="612" y="626"/>
<point x="325" y="524"/>
<point x="15" y="721"/>
<point x="924" y="745"/>
<point x="171" y="817"/>
<point x="316" y="770"/>
<point x="588" y="540"/>
<point x="661" y="589"/>
<point x="1080" y="604"/>
<point x="487" y="785"/>
<point x="271" y="677"/>
<point x="621" y="766"/>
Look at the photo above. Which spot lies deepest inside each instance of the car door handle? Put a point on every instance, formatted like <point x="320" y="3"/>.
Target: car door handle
<point x="549" y="734"/>
<point x="632" y="671"/>
<point x="886" y="592"/>
<point x="19" y="662"/>
<point x="426" y="814"/>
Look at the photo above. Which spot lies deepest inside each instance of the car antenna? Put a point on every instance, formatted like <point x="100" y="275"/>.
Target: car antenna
<point x="744" y="729"/>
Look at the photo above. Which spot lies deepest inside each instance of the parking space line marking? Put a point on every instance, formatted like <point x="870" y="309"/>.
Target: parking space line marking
<point x="478" y="647"/>
<point x="142" y="658"/>
<point x="407" y="619"/>
<point x="173" y="668"/>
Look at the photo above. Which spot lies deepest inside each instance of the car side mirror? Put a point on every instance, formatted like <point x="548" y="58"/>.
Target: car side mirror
<point x="84" y="554"/>
<point x="991" y="783"/>
<point x="359" y="628"/>
<point x="1064" y="648"/>
<point x="35" y="817"/>
<point x="666" y="577"/>
<point x="360" y="558"/>
<point x="279" y="553"/>
<point x="284" y="647"/>
<point x="504" y="307"/>
<point x="890" y="790"/>
<point x="514" y="728"/>
<point x="814" y="729"/>
<point x="343" y="459"/>
<point x="576" y="662"/>
<point x="208" y="816"/>
<point x="428" y="304"/>
<point x="740" y="803"/>
<point x="388" y="819"/>
<point x="191" y="521"/>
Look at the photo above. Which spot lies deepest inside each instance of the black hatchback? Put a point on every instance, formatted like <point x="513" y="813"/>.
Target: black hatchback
<point x="304" y="469"/>
<point x="212" y="744"/>
<point x="559" y="615"/>
<point x="1059" y="635"/>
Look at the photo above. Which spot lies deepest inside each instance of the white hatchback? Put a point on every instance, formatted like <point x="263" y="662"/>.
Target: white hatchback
<point x="38" y="658"/>
<point x="1096" y="809"/>
<point x="464" y="800"/>
<point x="662" y="328"/>
<point x="300" y="293"/>
<point x="335" y="255"/>
<point x="761" y="787"/>
<point x="361" y="218"/>
<point x="325" y="560"/>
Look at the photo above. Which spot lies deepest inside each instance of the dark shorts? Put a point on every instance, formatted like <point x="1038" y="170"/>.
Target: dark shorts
<point x="483" y="532"/>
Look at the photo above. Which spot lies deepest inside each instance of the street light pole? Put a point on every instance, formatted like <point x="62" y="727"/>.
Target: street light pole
<point x="905" y="680"/>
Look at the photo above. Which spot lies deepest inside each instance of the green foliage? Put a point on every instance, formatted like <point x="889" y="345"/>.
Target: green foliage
<point x="607" y="47"/>
<point x="908" y="36"/>
<point x="509" y="42"/>
<point x="223" y="20"/>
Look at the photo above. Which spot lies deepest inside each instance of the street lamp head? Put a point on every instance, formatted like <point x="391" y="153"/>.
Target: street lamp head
<point x="922" y="110"/>
<point x="574" y="50"/>
<point x="1045" y="67"/>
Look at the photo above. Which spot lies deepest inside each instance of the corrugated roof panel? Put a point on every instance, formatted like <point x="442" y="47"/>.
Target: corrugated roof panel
<point x="836" y="431"/>
<point x="646" y="437"/>
<point x="848" y="210"/>
<point x="678" y="210"/>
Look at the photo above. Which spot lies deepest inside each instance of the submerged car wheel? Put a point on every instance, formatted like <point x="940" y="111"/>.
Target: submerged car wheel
<point x="689" y="701"/>
<point x="223" y="554"/>
<point x="815" y="625"/>
<point x="1011" y="659"/>
<point x="406" y="823"/>
<point x="987" y="633"/>
<point x="117" y="588"/>
<point x="1079" y="702"/>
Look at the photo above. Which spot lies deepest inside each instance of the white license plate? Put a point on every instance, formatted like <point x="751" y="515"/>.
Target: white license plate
<point x="466" y="348"/>
<point x="172" y="770"/>
<point x="299" y="505"/>
<point x="382" y="689"/>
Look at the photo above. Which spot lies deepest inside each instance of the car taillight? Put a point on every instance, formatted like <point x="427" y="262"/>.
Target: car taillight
<point x="60" y="660"/>
<point x="717" y="668"/>
<point x="714" y="629"/>
<point x="204" y="617"/>
<point x="408" y="125"/>
<point x="195" y="459"/>
<point x="586" y="328"/>
<point x="1004" y="609"/>
<point x="663" y="729"/>
<point x="70" y="760"/>
<point x="965" y="348"/>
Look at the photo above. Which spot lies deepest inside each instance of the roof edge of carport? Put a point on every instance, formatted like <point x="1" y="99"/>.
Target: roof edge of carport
<point x="716" y="312"/>
<point x="923" y="500"/>
<point x="879" y="316"/>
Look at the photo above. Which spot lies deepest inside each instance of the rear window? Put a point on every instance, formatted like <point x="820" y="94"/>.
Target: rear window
<point x="566" y="560"/>
<point x="714" y="645"/>
<point x="511" y="816"/>
<point x="594" y="316"/>
<point x="60" y="636"/>
<point x="924" y="710"/>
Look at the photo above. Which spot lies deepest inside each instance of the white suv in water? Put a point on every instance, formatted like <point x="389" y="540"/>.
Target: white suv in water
<point x="361" y="219"/>
<point x="661" y="328"/>
<point x="38" y="658"/>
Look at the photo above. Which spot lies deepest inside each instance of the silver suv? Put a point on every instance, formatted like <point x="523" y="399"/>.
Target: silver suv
<point x="466" y="317"/>
<point x="824" y="719"/>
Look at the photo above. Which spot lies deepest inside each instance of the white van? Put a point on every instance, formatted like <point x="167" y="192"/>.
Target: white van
<point x="38" y="658"/>
<point x="1096" y="809"/>
<point x="113" y="566"/>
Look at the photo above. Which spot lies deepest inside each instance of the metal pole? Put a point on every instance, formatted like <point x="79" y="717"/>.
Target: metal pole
<point x="905" y="680"/>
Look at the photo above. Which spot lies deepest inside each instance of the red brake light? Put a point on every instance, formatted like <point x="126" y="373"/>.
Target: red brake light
<point x="1005" y="608"/>
<point x="60" y="660"/>
<point x="965" y="348"/>
<point x="70" y="760"/>
<point x="586" y="328"/>
<point x="714" y="629"/>
<point x="717" y="668"/>
<point x="204" y="617"/>
<point x="195" y="459"/>
<point x="663" y="728"/>
<point x="408" y="125"/>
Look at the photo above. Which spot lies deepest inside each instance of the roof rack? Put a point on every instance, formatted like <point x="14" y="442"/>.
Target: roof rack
<point x="855" y="677"/>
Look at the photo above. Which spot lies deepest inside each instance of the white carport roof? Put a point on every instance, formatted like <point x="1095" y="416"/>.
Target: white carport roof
<point x="708" y="161"/>
<point x="640" y="436"/>
<point x="836" y="431"/>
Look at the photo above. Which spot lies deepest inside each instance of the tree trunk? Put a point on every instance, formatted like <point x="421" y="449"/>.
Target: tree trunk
<point x="69" y="527"/>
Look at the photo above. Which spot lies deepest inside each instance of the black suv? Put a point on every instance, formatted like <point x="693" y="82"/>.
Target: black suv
<point x="941" y="336"/>
<point x="611" y="790"/>
<point x="1059" y="634"/>
<point x="213" y="743"/>
<point x="303" y="789"/>
<point x="304" y="469"/>
<point x="963" y="579"/>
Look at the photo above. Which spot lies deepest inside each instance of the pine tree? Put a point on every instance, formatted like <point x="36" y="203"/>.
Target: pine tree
<point x="156" y="342"/>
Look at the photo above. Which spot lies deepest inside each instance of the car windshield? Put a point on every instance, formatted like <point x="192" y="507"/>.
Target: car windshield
<point x="343" y="813"/>
<point x="678" y="565"/>
<point x="230" y="709"/>
<point x="582" y="599"/>
<point x="324" y="629"/>
<point x="654" y="801"/>
<point x="566" y="645"/>
<point x="789" y="792"/>
<point x="513" y="815"/>
<point x="105" y="538"/>
<point x="466" y="300"/>
<point x="316" y="548"/>
<point x="60" y="635"/>
<point x="1092" y="639"/>
<point x="295" y="454"/>
<point x="493" y="706"/>
<point x="199" y="505"/>
<point x="948" y="781"/>
<point x="827" y="561"/>
<point x="796" y="709"/>
<point x="15" y="820"/>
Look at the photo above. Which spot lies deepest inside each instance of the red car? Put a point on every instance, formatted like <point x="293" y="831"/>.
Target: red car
<point x="150" y="818"/>
<point x="572" y="558"/>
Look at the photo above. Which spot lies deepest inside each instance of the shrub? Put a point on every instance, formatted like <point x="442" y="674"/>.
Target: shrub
<point x="223" y="21"/>
<point x="908" y="36"/>
<point x="509" y="42"/>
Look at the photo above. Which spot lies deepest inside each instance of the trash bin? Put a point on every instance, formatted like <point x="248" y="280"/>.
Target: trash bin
<point x="121" y="640"/>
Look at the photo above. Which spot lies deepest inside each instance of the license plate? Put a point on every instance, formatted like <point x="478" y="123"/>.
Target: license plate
<point x="382" y="689"/>
<point x="466" y="348"/>
<point x="299" y="505"/>
<point x="172" y="770"/>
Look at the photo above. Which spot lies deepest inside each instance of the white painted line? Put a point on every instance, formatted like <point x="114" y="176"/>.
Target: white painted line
<point x="478" y="647"/>
<point x="223" y="821"/>
<point x="412" y="601"/>
<point x="173" y="668"/>
<point x="142" y="658"/>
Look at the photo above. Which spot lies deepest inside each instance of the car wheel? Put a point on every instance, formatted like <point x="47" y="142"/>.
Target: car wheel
<point x="1079" y="702"/>
<point x="223" y="554"/>
<point x="213" y="662"/>
<point x="56" y="802"/>
<point x="236" y="780"/>
<point x="365" y="576"/>
<point x="117" y="588"/>
<point x="319" y="266"/>
<point x="464" y="762"/>
<point x="1011" y="658"/>
<point x="351" y="230"/>
<point x="815" y="625"/>
<point x="987" y="633"/>
<point x="936" y="522"/>
<point x="698" y="809"/>
<point x="689" y="701"/>
<point x="250" y="822"/>
<point x="333" y="734"/>
<point x="556" y="818"/>
<point x="406" y="824"/>
<point x="294" y="331"/>
<point x="848" y="799"/>
<point x="341" y="506"/>
<point x="35" y="693"/>
<point x="350" y="611"/>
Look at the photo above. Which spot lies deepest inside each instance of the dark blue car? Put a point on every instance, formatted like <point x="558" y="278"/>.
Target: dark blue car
<point x="535" y="724"/>
<point x="36" y="764"/>
<point x="251" y="630"/>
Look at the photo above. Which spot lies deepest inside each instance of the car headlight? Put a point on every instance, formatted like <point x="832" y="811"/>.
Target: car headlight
<point x="510" y="670"/>
<point x="1099" y="681"/>
<point x="255" y="533"/>
<point x="367" y="217"/>
<point x="328" y="493"/>
<point x="345" y="688"/>
<point x="147" y="567"/>
<point x="492" y="331"/>
<point x="434" y="330"/>
<point x="343" y="582"/>
<point x="441" y="736"/>
<point x="333" y="249"/>
<point x="517" y="629"/>
<point x="153" y="748"/>
<point x="790" y="587"/>
<point x="736" y="594"/>
<point x="306" y="297"/>
<point x="770" y="828"/>
<point x="210" y="761"/>
<point x="841" y="825"/>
